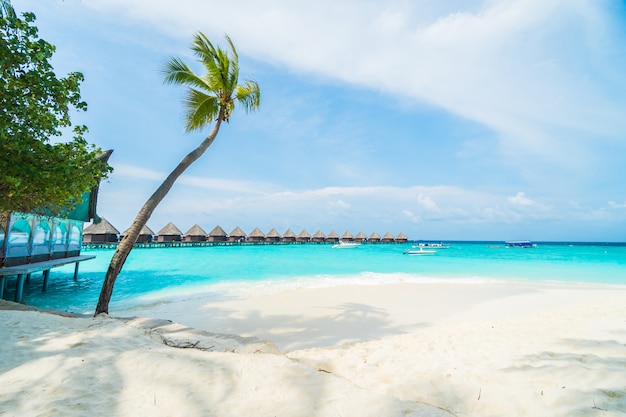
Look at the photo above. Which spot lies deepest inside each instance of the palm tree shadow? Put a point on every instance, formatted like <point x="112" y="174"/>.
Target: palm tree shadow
<point x="352" y="322"/>
<point x="56" y="366"/>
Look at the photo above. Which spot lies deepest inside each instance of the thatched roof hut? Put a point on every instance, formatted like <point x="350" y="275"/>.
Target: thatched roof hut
<point x="145" y="235"/>
<point x="332" y="237"/>
<point x="374" y="238"/>
<point x="169" y="233"/>
<point x="272" y="236"/>
<point x="388" y="238"/>
<point x="402" y="238"/>
<point x="195" y="234"/>
<point x="347" y="237"/>
<point x="237" y="235"/>
<point x="256" y="235"/>
<point x="304" y="236"/>
<point x="360" y="237"/>
<point x="217" y="235"/>
<point x="319" y="237"/>
<point x="102" y="232"/>
<point x="288" y="236"/>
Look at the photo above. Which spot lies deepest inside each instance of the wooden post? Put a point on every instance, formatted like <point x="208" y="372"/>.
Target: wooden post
<point x="76" y="271"/>
<point x="46" y="275"/>
<point x="19" y="287"/>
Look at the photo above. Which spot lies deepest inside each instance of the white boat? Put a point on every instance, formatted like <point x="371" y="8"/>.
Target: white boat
<point x="346" y="245"/>
<point x="420" y="251"/>
<point x="439" y="245"/>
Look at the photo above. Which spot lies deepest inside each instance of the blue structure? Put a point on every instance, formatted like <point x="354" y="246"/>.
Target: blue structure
<point x="33" y="243"/>
<point x="520" y="244"/>
<point x="26" y="238"/>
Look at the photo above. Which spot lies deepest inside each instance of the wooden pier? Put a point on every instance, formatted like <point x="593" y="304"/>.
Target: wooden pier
<point x="183" y="244"/>
<point x="23" y="272"/>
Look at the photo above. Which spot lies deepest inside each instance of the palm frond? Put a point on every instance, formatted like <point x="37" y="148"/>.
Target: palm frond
<point x="223" y="63"/>
<point x="233" y="73"/>
<point x="214" y="59"/>
<point x="178" y="73"/>
<point x="201" y="109"/>
<point x="218" y="89"/>
<point x="249" y="95"/>
<point x="202" y="47"/>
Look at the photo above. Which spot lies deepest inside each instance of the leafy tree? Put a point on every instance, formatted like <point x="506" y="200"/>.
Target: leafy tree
<point x="209" y="98"/>
<point x="36" y="175"/>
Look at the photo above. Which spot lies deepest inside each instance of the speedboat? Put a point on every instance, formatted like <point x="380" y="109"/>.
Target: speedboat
<point x="439" y="245"/>
<point x="420" y="251"/>
<point x="520" y="244"/>
<point x="346" y="245"/>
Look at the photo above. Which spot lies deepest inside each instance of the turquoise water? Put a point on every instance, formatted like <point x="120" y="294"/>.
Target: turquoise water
<point x="156" y="275"/>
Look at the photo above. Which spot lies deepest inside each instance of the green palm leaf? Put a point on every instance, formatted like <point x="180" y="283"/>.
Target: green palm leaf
<point x="218" y="89"/>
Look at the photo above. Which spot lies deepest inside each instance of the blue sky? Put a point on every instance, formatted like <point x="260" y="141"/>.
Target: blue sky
<point x="440" y="119"/>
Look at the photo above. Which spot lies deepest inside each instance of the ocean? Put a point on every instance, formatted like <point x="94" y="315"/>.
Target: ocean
<point x="160" y="275"/>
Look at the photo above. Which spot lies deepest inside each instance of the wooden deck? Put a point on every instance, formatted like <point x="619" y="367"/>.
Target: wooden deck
<point x="23" y="272"/>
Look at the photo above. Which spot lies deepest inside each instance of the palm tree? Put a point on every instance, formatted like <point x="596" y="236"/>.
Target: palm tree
<point x="210" y="98"/>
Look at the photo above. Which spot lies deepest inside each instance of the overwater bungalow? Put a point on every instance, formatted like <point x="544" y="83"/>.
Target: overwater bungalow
<point x="102" y="232"/>
<point x="401" y="238"/>
<point x="347" y="237"/>
<point x="217" y="235"/>
<point x="304" y="236"/>
<point x="388" y="238"/>
<point x="288" y="236"/>
<point x="332" y="237"/>
<point x="272" y="236"/>
<point x="318" y="237"/>
<point x="169" y="233"/>
<point x="237" y="235"/>
<point x="374" y="238"/>
<point x="360" y="237"/>
<point x="256" y="235"/>
<point x="146" y="235"/>
<point x="195" y="234"/>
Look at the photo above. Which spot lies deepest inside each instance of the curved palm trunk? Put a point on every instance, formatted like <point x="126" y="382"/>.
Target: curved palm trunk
<point x="126" y="245"/>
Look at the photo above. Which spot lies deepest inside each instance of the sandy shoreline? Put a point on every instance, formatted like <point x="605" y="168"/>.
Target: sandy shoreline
<point x="319" y="317"/>
<point x="401" y="349"/>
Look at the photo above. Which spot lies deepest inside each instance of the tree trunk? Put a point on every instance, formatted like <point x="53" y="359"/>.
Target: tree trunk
<point x="126" y="245"/>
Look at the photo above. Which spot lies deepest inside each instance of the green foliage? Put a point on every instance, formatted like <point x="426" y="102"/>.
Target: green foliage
<point x="217" y="90"/>
<point x="35" y="174"/>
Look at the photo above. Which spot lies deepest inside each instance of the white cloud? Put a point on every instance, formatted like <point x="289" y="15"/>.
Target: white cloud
<point x="338" y="206"/>
<point x="138" y="173"/>
<point x="543" y="75"/>
<point x="367" y="209"/>
<point x="518" y="66"/>
<point x="527" y="207"/>
<point x="427" y="203"/>
<point x="411" y="216"/>
<point x="615" y="205"/>
<point x="521" y="200"/>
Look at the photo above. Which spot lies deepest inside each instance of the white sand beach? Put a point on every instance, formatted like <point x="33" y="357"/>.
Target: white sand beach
<point x="387" y="350"/>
